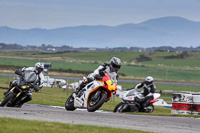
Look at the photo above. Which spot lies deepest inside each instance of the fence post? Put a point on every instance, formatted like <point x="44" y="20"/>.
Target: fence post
<point x="8" y="79"/>
<point x="114" y="98"/>
<point x="67" y="87"/>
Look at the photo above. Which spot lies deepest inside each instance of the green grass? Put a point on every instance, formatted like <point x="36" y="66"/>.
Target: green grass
<point x="160" y="68"/>
<point x="161" y="73"/>
<point x="136" y="71"/>
<point x="55" y="64"/>
<point x="5" y="80"/>
<point x="174" y="63"/>
<point x="126" y="57"/>
<point x="9" y="125"/>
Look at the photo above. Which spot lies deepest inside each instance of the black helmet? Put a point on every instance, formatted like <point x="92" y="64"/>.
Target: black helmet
<point x="115" y="64"/>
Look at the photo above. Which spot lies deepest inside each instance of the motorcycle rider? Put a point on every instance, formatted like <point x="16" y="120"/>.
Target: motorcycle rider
<point x="38" y="68"/>
<point x="109" y="68"/>
<point x="149" y="89"/>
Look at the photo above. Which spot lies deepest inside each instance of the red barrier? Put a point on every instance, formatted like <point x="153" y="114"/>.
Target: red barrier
<point x="186" y="106"/>
<point x="185" y="103"/>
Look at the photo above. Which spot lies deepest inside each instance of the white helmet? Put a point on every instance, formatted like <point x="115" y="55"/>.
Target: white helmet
<point x="149" y="79"/>
<point x="39" y="67"/>
<point x="115" y="64"/>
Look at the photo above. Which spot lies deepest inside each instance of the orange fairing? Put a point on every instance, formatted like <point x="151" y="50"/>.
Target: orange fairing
<point x="109" y="85"/>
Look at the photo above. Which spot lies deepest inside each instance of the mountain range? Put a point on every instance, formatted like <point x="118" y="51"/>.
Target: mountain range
<point x="167" y="31"/>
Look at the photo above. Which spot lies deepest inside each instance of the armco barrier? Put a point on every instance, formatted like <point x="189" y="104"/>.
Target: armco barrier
<point x="186" y="103"/>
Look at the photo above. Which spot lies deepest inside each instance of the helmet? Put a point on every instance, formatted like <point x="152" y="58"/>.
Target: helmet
<point x="149" y="79"/>
<point x="39" y="67"/>
<point x="115" y="64"/>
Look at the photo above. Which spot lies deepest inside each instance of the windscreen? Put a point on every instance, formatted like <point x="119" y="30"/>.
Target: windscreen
<point x="131" y="93"/>
<point x="29" y="76"/>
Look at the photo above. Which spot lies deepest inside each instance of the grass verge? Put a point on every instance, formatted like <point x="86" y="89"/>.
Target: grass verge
<point x="9" y="125"/>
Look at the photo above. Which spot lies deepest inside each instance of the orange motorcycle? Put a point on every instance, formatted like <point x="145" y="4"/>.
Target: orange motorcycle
<point x="93" y="95"/>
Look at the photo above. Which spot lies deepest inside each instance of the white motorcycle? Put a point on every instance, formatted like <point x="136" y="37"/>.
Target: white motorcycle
<point x="132" y="102"/>
<point x="93" y="95"/>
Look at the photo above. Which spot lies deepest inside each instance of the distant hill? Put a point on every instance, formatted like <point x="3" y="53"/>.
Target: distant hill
<point x="166" y="31"/>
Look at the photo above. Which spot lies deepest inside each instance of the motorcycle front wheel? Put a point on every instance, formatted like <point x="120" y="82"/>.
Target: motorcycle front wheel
<point x="7" y="99"/>
<point x="69" y="104"/>
<point x="119" y="108"/>
<point x="93" y="105"/>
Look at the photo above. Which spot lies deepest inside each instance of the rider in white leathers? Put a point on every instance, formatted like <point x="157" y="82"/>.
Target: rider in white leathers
<point x="38" y="68"/>
<point x="111" y="69"/>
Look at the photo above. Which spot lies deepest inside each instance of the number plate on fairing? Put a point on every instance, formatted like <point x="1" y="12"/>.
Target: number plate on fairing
<point x="128" y="98"/>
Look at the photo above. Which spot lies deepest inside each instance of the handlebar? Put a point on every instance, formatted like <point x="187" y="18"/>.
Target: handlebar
<point x="35" y="87"/>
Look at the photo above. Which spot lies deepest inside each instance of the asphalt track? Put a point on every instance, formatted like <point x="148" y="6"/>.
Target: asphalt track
<point x="163" y="124"/>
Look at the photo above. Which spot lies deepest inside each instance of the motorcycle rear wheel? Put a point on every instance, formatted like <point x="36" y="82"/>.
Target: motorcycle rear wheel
<point x="149" y="109"/>
<point x="69" y="104"/>
<point x="7" y="99"/>
<point x="93" y="106"/>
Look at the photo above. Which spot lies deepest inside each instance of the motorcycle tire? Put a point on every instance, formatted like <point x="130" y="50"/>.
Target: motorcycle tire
<point x="116" y="110"/>
<point x="7" y="99"/>
<point x="149" y="109"/>
<point x="96" y="106"/>
<point x="69" y="104"/>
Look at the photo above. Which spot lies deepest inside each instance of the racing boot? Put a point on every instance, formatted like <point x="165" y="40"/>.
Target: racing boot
<point x="81" y="86"/>
<point x="26" y="99"/>
<point x="146" y="103"/>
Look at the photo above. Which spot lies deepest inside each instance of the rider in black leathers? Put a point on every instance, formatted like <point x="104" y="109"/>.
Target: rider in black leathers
<point x="149" y="89"/>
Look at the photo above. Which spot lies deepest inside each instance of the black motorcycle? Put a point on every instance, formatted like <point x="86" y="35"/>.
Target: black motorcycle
<point x="23" y="86"/>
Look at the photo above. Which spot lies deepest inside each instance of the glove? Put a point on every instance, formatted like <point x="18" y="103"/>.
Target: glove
<point x="97" y="76"/>
<point x="102" y="73"/>
<point x="36" y="88"/>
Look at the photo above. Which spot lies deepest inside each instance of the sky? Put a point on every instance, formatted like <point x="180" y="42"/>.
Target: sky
<point x="51" y="14"/>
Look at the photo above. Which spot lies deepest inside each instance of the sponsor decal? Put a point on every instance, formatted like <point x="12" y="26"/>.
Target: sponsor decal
<point x="130" y="98"/>
<point x="93" y="86"/>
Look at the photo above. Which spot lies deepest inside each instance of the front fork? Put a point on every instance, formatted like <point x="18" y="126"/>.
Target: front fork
<point x="125" y="106"/>
<point x="11" y="91"/>
<point x="17" y="94"/>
